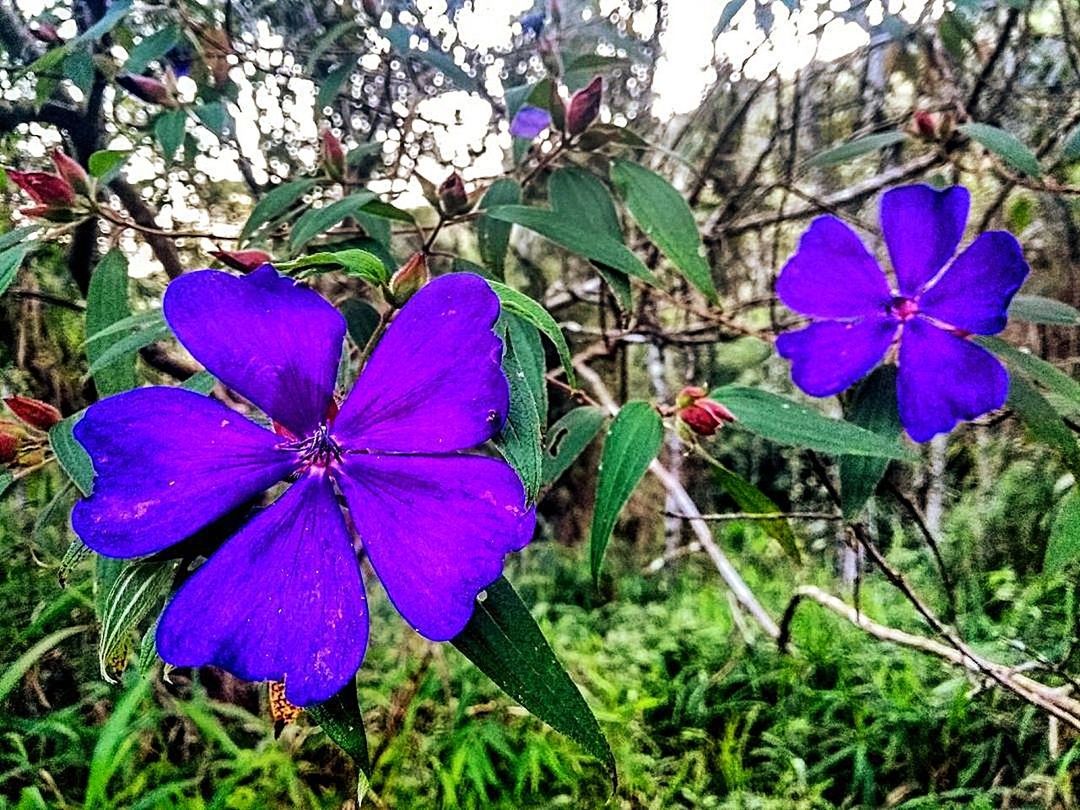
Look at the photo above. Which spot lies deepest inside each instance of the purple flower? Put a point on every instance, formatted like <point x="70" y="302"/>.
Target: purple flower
<point x="943" y="377"/>
<point x="529" y="122"/>
<point x="282" y="599"/>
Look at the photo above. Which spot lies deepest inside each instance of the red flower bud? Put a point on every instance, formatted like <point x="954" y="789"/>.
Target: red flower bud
<point x="9" y="446"/>
<point x="702" y="415"/>
<point x="453" y="198"/>
<point x="45" y="189"/>
<point x="74" y="174"/>
<point x="33" y="412"/>
<point x="409" y="278"/>
<point x="242" y="259"/>
<point x="332" y="155"/>
<point x="584" y="107"/>
<point x="47" y="33"/>
<point x="926" y="124"/>
<point x="148" y="89"/>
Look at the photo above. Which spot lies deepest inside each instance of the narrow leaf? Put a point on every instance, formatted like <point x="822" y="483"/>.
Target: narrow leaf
<point x="319" y="220"/>
<point x="340" y="717"/>
<point x="10" y="262"/>
<point x="1034" y="368"/>
<point x="874" y="408"/>
<point x="73" y="459"/>
<point x="856" y="148"/>
<point x="493" y="235"/>
<point x="524" y="307"/>
<point x="353" y="262"/>
<point x="520" y="439"/>
<point x="152" y="48"/>
<point x="1005" y="145"/>
<point x="568" y="438"/>
<point x="361" y="320"/>
<point x="169" y="130"/>
<point x="275" y="203"/>
<point x="139" y="588"/>
<point x="752" y="500"/>
<point x="106" y="303"/>
<point x="1036" y="309"/>
<point x="1044" y="424"/>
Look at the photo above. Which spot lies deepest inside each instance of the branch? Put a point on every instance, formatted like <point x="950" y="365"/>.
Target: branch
<point x="143" y="215"/>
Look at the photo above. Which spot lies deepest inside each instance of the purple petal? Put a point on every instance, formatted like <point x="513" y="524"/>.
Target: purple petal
<point x="829" y="356"/>
<point x="922" y="227"/>
<point x="168" y="462"/>
<point x="435" y="381"/>
<point x="282" y="600"/>
<point x="436" y="529"/>
<point x="530" y="122"/>
<point x="944" y="379"/>
<point x="264" y="336"/>
<point x="974" y="293"/>
<point x="832" y="275"/>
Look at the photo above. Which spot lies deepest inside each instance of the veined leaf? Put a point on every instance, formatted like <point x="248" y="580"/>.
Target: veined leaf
<point x="343" y="722"/>
<point x="106" y="303"/>
<point x="1005" y="145"/>
<point x="169" y="131"/>
<point x="73" y="459"/>
<point x="276" y="202"/>
<point x="524" y="307"/>
<point x="874" y="408"/>
<point x="1043" y="422"/>
<point x="152" y="48"/>
<point x="1037" y="309"/>
<point x="568" y="438"/>
<point x="521" y="436"/>
<point x="493" y="235"/>
<point x="1034" y="368"/>
<point x="10" y="262"/>
<point x="319" y="220"/>
<point x="353" y="262"/>
<point x="138" y="589"/>
<point x="856" y="148"/>
<point x="752" y="500"/>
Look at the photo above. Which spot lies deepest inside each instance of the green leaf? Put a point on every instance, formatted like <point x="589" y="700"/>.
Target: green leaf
<point x="52" y="57"/>
<point x="632" y="442"/>
<point x="105" y="162"/>
<point x="11" y="676"/>
<point x="1043" y="422"/>
<point x="752" y="500"/>
<point x="10" y="262"/>
<point x="319" y="220"/>
<point x="106" y="303"/>
<point x="353" y="262"/>
<point x="343" y="722"/>
<point x="874" y="408"/>
<point x="17" y="237"/>
<point x="569" y="234"/>
<point x="276" y="202"/>
<point x="76" y="552"/>
<point x="524" y="307"/>
<point x="152" y="48"/>
<point x="6" y="480"/>
<point x="1034" y="368"/>
<point x="384" y="210"/>
<point x="1005" y="145"/>
<point x="202" y="382"/>
<point x="169" y="130"/>
<point x="213" y="116"/>
<point x="401" y="38"/>
<point x="1036" y="309"/>
<point x="1063" y="547"/>
<point x="665" y="217"/>
<point x="567" y="439"/>
<point x="504" y="642"/>
<point x="787" y="422"/>
<point x="330" y="85"/>
<point x="732" y="8"/>
<point x="361" y="320"/>
<point x="493" y="235"/>
<point x="127" y="346"/>
<point x="79" y="68"/>
<point x="73" y="459"/>
<point x="520" y="439"/>
<point x="147" y="319"/>
<point x="139" y="588"/>
<point x="856" y="148"/>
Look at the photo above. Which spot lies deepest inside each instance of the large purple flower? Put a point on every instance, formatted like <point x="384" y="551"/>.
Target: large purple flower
<point x="943" y="377"/>
<point x="283" y="599"/>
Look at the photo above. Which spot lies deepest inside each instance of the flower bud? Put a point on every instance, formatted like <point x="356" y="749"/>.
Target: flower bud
<point x="452" y="196"/>
<point x="409" y="278"/>
<point x="33" y="412"/>
<point x="332" y="156"/>
<point x="584" y="107"/>
<point x="242" y="259"/>
<point x="11" y="436"/>
<point x="925" y="125"/>
<point x="46" y="189"/>
<point x="75" y="175"/>
<point x="702" y="415"/>
<point x="47" y="33"/>
<point x="148" y="89"/>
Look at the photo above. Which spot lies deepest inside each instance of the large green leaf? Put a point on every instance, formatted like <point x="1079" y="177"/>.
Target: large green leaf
<point x="353" y="262"/>
<point x="1063" y="547"/>
<point x="568" y="438"/>
<point x="343" y="722"/>
<point x="567" y="233"/>
<point x="74" y="460"/>
<point x="753" y="501"/>
<point x="152" y="48"/>
<point x="632" y="442"/>
<point x="503" y="640"/>
<point x="1043" y="422"/>
<point x="665" y="217"/>
<point x="169" y="131"/>
<point x="106" y="303"/>
<point x="319" y="220"/>
<point x="493" y="235"/>
<point x="524" y="307"/>
<point x="874" y="408"/>
<point x="138" y="588"/>
<point x="1037" y="309"/>
<point x="786" y="422"/>
<point x="853" y="149"/>
<point x="1034" y="368"/>
<point x="10" y="262"/>
<point x="521" y="436"/>
<point x="1005" y="145"/>
<point x="276" y="202"/>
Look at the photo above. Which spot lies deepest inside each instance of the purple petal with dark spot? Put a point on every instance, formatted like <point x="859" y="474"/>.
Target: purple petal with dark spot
<point x="830" y="356"/>
<point x="264" y="336"/>
<point x="168" y="462"/>
<point x="436" y="529"/>
<point x="282" y="600"/>
<point x="530" y="122"/>
<point x="922" y="227"/>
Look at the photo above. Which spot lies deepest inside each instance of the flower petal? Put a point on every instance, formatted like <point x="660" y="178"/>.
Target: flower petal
<point x="264" y="336"/>
<point x="944" y="379"/>
<point x="281" y="600"/>
<point x="829" y="356"/>
<point x="530" y="122"/>
<point x="436" y="529"/>
<point x="435" y="381"/>
<point x="168" y="462"/>
<point x="974" y="293"/>
<point x="922" y="227"/>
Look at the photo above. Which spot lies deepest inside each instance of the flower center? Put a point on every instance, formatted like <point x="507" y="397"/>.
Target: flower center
<point x="904" y="308"/>
<point x="318" y="449"/>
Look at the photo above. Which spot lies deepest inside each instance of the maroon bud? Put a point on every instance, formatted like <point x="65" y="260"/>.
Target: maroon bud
<point x="74" y="174"/>
<point x="47" y="33"/>
<point x="148" y="89"/>
<point x="584" y="107"/>
<point x="409" y="278"/>
<point x="926" y="124"/>
<point x="332" y="155"/>
<point x="9" y="445"/>
<point x="49" y="190"/>
<point x="453" y="198"/>
<point x="242" y="259"/>
<point x="702" y="415"/>
<point x="33" y="412"/>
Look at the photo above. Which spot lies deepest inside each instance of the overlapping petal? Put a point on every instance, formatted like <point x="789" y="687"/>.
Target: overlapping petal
<point x="282" y="600"/>
<point x="264" y="336"/>
<point x="829" y="356"/>
<point x="832" y="275"/>
<point x="434" y="383"/>
<point x="436" y="529"/>
<point x="944" y="379"/>
<point x="974" y="293"/>
<point x="922" y="227"/>
<point x="167" y="463"/>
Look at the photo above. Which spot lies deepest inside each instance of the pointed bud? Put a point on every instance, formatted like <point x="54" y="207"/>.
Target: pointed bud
<point x="9" y="445"/>
<point x="332" y="156"/>
<point x="48" y="190"/>
<point x="409" y="278"/>
<point x="584" y="107"/>
<point x="702" y="415"/>
<point x="47" y="33"/>
<point x="33" y="412"/>
<point x="74" y="174"/>
<point x="925" y="125"/>
<point x="453" y="199"/>
<point x="148" y="89"/>
<point x="242" y="259"/>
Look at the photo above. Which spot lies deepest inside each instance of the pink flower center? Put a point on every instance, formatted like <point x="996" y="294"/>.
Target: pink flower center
<point x="904" y="308"/>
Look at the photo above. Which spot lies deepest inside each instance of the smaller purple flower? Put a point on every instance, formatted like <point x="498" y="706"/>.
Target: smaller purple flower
<point x="529" y="122"/>
<point x="857" y="317"/>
